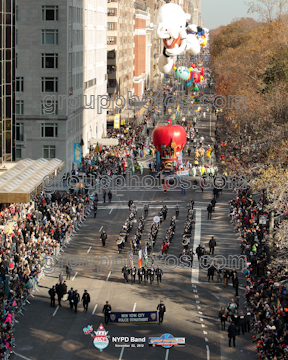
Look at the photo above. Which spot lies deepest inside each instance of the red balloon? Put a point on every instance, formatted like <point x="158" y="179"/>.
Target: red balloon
<point x="197" y="78"/>
<point x="202" y="71"/>
<point x="164" y="135"/>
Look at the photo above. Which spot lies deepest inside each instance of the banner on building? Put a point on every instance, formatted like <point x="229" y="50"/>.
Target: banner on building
<point x="131" y="317"/>
<point x="77" y="153"/>
<point x="116" y="121"/>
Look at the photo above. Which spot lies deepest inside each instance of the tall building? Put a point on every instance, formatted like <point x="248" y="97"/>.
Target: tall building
<point x="7" y="80"/>
<point x="195" y="11"/>
<point x="61" y="52"/>
<point x="142" y="50"/>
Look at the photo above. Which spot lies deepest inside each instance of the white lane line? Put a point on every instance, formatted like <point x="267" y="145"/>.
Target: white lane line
<point x="121" y="353"/>
<point x="108" y="276"/>
<point x="200" y="313"/>
<point x="197" y="239"/>
<point x="208" y="352"/>
<point x="110" y="211"/>
<point x="101" y="229"/>
<point x="56" y="310"/>
<point x="89" y="249"/>
<point x="203" y="325"/>
<point x="217" y="297"/>
<point x="123" y="348"/>
<point x="95" y="307"/>
<point x="21" y="356"/>
<point x="205" y="333"/>
<point x="201" y="319"/>
<point x="167" y="354"/>
<point x="75" y="276"/>
<point x="206" y="340"/>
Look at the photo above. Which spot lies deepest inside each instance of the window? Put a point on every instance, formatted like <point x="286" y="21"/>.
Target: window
<point x="19" y="84"/>
<point x="111" y="26"/>
<point x="49" y="84"/>
<point x="49" y="61"/>
<point x="16" y="12"/>
<point x="16" y="37"/>
<point x="49" y="152"/>
<point x="16" y="60"/>
<point x="111" y="40"/>
<point x="50" y="13"/>
<point x="19" y="132"/>
<point x="49" y="107"/>
<point x="112" y="12"/>
<point x="111" y="54"/>
<point x="18" y="152"/>
<point x="19" y="107"/>
<point x="49" y="37"/>
<point x="49" y="130"/>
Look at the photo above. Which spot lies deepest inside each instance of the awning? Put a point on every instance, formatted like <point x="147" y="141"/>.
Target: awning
<point x="20" y="183"/>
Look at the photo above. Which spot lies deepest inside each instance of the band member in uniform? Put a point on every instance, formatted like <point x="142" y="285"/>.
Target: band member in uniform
<point x="133" y="274"/>
<point x="125" y="272"/>
<point x="159" y="273"/>
<point x="140" y="274"/>
<point x="86" y="300"/>
<point x="151" y="273"/>
<point x="161" y="311"/>
<point x="146" y="275"/>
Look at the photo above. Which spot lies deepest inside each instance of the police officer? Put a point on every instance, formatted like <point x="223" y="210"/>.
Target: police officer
<point x="177" y="210"/>
<point x="241" y="323"/>
<point x="133" y="274"/>
<point x="76" y="299"/>
<point x="248" y="320"/>
<point x="106" y="311"/>
<point x="159" y="273"/>
<point x="161" y="310"/>
<point x="52" y="293"/>
<point x="86" y="300"/>
<point x="103" y="237"/>
<point x="146" y="275"/>
<point x="125" y="272"/>
<point x="71" y="298"/>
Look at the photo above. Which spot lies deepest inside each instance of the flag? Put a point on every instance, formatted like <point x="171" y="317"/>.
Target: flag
<point x="145" y="255"/>
<point x="130" y="259"/>
<point x="140" y="260"/>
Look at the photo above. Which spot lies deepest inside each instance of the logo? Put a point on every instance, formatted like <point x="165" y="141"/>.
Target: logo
<point x="101" y="339"/>
<point x="166" y="341"/>
<point x="153" y="316"/>
<point x="112" y="317"/>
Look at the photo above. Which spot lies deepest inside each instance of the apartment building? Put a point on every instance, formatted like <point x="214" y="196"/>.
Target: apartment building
<point x="61" y="57"/>
<point x="142" y="50"/>
<point x="7" y="80"/>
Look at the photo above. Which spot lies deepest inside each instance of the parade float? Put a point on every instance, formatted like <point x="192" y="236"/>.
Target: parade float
<point x="169" y="140"/>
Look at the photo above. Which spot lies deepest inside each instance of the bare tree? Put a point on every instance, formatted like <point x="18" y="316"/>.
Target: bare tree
<point x="266" y="9"/>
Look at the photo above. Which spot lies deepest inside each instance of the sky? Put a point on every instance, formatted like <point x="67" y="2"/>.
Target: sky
<point x="222" y="12"/>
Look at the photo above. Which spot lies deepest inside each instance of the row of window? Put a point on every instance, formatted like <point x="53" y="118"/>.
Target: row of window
<point x="47" y="130"/>
<point x="49" y="152"/>
<point x="49" y="84"/>
<point x="47" y="107"/>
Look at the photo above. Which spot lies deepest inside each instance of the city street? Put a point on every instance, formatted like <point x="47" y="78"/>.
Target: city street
<point x="192" y="304"/>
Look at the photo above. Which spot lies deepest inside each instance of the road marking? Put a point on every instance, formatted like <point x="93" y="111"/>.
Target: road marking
<point x="198" y="307"/>
<point x="89" y="249"/>
<point x="56" y="310"/>
<point x="21" y="356"/>
<point x="203" y="325"/>
<point x="121" y="353"/>
<point x="95" y="307"/>
<point x="197" y="302"/>
<point x="197" y="238"/>
<point x="108" y="276"/>
<point x="201" y="319"/>
<point x="123" y="348"/>
<point x="217" y="297"/>
<point x="195" y="291"/>
<point x="110" y="211"/>
<point x="206" y="338"/>
<point x="200" y="313"/>
<point x="205" y="332"/>
<point x="167" y="354"/>
<point x="101" y="229"/>
<point x="75" y="276"/>
<point x="208" y="352"/>
<point x="196" y="296"/>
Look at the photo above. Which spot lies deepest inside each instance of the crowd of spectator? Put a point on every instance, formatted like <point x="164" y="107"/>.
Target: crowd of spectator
<point x="266" y="294"/>
<point x="29" y="234"/>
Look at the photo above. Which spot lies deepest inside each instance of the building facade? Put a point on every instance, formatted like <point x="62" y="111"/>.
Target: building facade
<point x="7" y="80"/>
<point x="60" y="60"/>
